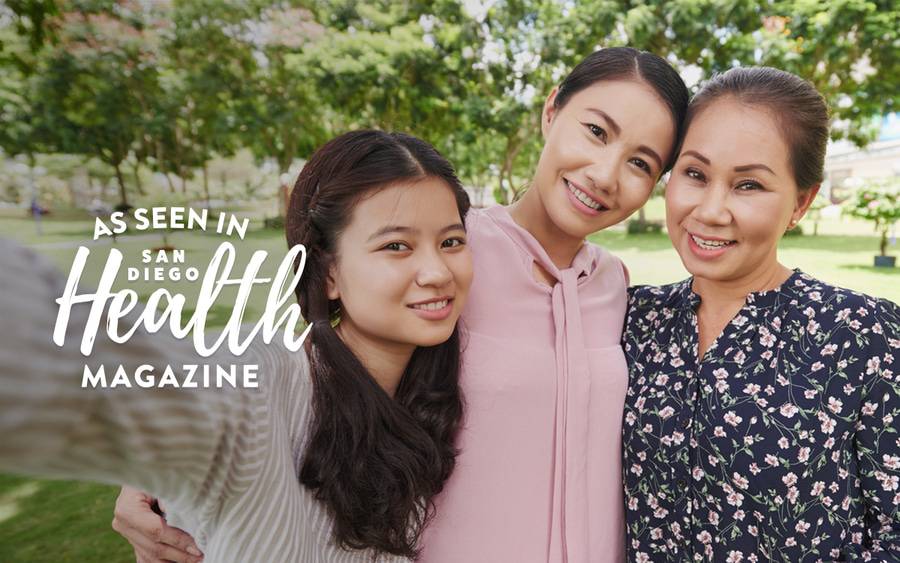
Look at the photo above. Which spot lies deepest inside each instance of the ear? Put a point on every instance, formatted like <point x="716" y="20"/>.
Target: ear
<point x="549" y="111"/>
<point x="331" y="288"/>
<point x="804" y="200"/>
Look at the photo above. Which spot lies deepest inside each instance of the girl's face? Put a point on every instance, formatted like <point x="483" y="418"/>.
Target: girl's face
<point x="604" y="151"/>
<point x="732" y="193"/>
<point x="403" y="269"/>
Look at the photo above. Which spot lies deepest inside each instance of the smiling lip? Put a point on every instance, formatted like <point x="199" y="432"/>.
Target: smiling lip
<point x="580" y="205"/>
<point x="709" y="251"/>
<point x="435" y="309"/>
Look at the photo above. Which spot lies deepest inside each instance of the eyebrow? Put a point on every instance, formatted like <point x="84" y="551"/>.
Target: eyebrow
<point x="757" y="166"/>
<point x="742" y="168"/>
<point x="697" y="155"/>
<point x="612" y="122"/>
<point x="618" y="130"/>
<point x="390" y="229"/>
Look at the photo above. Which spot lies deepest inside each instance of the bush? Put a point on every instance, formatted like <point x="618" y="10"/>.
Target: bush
<point x="639" y="227"/>
<point x="880" y="203"/>
<point x="797" y="231"/>
<point x="274" y="223"/>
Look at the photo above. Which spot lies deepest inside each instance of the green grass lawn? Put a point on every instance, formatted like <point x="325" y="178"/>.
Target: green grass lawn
<point x="56" y="521"/>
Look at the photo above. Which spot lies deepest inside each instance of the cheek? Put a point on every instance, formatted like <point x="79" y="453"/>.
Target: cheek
<point x="637" y="192"/>
<point x="563" y="150"/>
<point x="370" y="281"/>
<point x="463" y="271"/>
<point x="759" y="219"/>
<point x="677" y="203"/>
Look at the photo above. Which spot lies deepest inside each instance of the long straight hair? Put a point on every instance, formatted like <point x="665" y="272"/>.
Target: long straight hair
<point x="376" y="463"/>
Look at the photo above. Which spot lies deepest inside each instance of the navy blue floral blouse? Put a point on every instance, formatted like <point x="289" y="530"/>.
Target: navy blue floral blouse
<point x="782" y="444"/>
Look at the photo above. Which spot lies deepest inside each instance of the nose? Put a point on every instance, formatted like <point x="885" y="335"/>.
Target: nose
<point x="603" y="172"/>
<point x="712" y="209"/>
<point x="433" y="270"/>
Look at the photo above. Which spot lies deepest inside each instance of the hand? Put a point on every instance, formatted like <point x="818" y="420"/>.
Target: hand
<point x="153" y="540"/>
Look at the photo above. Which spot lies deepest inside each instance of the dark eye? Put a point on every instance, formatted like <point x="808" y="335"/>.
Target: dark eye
<point x="694" y="174"/>
<point x="453" y="242"/>
<point x="596" y="131"/>
<point x="642" y="164"/>
<point x="748" y="186"/>
<point x="396" y="246"/>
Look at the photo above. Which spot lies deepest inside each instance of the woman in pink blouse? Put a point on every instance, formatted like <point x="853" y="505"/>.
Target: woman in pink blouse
<point x="538" y="477"/>
<point x="544" y="377"/>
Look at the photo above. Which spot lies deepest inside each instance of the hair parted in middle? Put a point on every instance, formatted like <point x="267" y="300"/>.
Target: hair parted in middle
<point x="375" y="462"/>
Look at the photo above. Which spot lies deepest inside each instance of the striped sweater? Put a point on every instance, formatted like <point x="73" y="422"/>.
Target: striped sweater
<point x="224" y="461"/>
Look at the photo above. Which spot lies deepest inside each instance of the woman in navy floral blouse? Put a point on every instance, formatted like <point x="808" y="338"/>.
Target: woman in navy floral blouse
<point x="761" y="419"/>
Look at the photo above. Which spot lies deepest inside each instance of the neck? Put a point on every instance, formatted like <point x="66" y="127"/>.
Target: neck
<point x="386" y="362"/>
<point x="530" y="214"/>
<point x="719" y="295"/>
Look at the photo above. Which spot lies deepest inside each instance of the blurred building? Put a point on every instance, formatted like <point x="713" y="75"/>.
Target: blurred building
<point x="847" y="166"/>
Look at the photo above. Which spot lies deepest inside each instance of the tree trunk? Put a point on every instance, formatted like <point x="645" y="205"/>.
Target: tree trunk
<point x="206" y="184"/>
<point x="513" y="146"/>
<point x="169" y="182"/>
<point x="135" y="170"/>
<point x="122" y="195"/>
<point x="224" y="178"/>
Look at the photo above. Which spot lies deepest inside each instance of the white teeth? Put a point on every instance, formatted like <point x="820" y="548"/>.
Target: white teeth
<point x="436" y="306"/>
<point x="711" y="244"/>
<point x="583" y="197"/>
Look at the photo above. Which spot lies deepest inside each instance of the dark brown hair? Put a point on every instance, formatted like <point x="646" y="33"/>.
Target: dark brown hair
<point x="798" y="108"/>
<point x="625" y="63"/>
<point x="375" y="462"/>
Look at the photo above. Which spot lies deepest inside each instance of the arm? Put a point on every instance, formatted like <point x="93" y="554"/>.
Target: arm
<point x="878" y="442"/>
<point x="179" y="444"/>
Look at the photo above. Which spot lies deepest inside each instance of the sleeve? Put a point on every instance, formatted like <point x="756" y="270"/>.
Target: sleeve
<point x="878" y="441"/>
<point x="188" y="446"/>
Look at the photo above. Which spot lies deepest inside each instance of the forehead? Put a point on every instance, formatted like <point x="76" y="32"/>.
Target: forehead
<point x="732" y="133"/>
<point x="634" y="105"/>
<point x="408" y="203"/>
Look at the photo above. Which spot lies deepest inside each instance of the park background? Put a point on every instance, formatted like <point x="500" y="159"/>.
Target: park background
<point x="108" y="105"/>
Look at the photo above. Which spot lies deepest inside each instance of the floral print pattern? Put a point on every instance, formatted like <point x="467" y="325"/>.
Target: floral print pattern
<point x="782" y="444"/>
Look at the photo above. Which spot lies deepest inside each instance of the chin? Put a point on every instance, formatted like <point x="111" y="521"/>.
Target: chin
<point x="712" y="272"/>
<point x="572" y="225"/>
<point x="426" y="342"/>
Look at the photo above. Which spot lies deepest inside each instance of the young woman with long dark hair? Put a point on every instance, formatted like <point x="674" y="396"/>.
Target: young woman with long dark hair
<point x="340" y="453"/>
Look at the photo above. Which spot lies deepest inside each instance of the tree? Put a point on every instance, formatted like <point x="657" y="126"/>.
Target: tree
<point x="880" y="203"/>
<point x="285" y="117"/>
<point x="209" y="66"/>
<point x="95" y="84"/>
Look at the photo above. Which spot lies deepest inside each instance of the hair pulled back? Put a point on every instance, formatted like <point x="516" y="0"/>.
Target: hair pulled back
<point x="795" y="104"/>
<point x="626" y="63"/>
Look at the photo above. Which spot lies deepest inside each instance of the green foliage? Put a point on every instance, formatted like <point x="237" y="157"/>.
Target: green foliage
<point x="880" y="203"/>
<point x="173" y="85"/>
<point x="642" y="227"/>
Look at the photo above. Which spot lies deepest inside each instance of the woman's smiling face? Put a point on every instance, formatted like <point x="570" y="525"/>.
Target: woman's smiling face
<point x="604" y="151"/>
<point x="732" y="193"/>
<point x="403" y="270"/>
